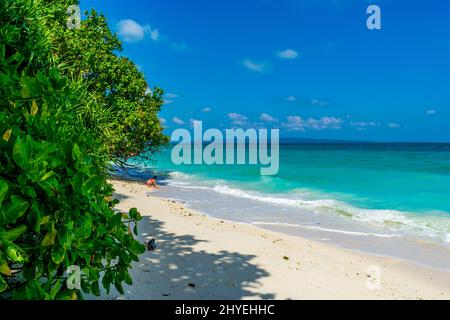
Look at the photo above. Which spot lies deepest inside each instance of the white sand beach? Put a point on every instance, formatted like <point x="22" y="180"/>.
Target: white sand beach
<point x="199" y="257"/>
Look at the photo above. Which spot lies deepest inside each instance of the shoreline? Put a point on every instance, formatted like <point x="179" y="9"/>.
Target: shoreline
<point x="202" y="257"/>
<point x="381" y="232"/>
<point x="265" y="228"/>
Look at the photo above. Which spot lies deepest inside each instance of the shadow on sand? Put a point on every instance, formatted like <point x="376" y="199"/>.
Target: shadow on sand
<point x="175" y="271"/>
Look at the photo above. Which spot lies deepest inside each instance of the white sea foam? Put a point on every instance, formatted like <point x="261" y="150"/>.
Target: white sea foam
<point x="311" y="204"/>
<point x="353" y="233"/>
<point x="281" y="224"/>
<point x="434" y="227"/>
<point x="178" y="174"/>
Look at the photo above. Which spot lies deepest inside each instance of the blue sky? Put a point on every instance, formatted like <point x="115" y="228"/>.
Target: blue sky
<point x="309" y="67"/>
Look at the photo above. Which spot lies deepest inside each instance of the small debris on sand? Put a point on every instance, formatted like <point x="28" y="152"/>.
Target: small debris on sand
<point x="151" y="245"/>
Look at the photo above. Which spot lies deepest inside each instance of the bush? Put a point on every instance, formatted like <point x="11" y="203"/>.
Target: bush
<point x="56" y="207"/>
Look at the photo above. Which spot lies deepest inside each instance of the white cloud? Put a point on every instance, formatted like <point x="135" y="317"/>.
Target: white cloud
<point x="267" y="118"/>
<point x="169" y="98"/>
<point x="297" y="123"/>
<point x="325" y="123"/>
<point x="431" y="112"/>
<point x="291" y="99"/>
<point x="255" y="66"/>
<point x="206" y="109"/>
<point x="238" y="119"/>
<point x="320" y="103"/>
<point x="364" y="124"/>
<point x="393" y="125"/>
<point x="177" y="121"/>
<point x="287" y="54"/>
<point x="131" y="31"/>
<point x="154" y="34"/>
<point x="294" y="123"/>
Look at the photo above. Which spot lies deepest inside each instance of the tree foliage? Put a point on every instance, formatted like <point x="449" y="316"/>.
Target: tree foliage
<point x="125" y="108"/>
<point x="63" y="117"/>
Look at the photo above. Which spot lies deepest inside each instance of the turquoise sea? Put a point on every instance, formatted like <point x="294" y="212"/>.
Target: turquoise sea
<point x="373" y="190"/>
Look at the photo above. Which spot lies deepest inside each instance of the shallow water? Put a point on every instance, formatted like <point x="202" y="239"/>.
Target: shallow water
<point x="381" y="198"/>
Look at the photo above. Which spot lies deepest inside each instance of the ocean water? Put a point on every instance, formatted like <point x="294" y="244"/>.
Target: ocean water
<point x="340" y="193"/>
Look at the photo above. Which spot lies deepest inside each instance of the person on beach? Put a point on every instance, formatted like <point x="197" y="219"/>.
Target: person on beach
<point x="151" y="183"/>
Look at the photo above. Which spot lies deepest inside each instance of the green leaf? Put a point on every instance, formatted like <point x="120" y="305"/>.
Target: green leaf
<point x="39" y="269"/>
<point x="52" y="267"/>
<point x="13" y="234"/>
<point x="30" y="87"/>
<point x="137" y="247"/>
<point x="95" y="288"/>
<point x="14" y="253"/>
<point x="127" y="278"/>
<point x="7" y="135"/>
<point x="115" y="221"/>
<point x="3" y="284"/>
<point x="45" y="220"/>
<point x="29" y="192"/>
<point x="119" y="287"/>
<point x="4" y="267"/>
<point x="86" y="228"/>
<point x="58" y="254"/>
<point x="94" y="274"/>
<point x="21" y="152"/>
<point x="76" y="153"/>
<point x="34" y="108"/>
<point x="55" y="162"/>
<point x="65" y="238"/>
<point x="16" y="210"/>
<point x="34" y="291"/>
<point x="91" y="184"/>
<point x="134" y="214"/>
<point x="35" y="217"/>
<point x="49" y="239"/>
<point x="3" y="190"/>
<point x="55" y="290"/>
<point x="134" y="257"/>
<point x="47" y="175"/>
<point x="107" y="280"/>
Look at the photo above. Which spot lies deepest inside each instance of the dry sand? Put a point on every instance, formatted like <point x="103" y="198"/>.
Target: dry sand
<point x="199" y="257"/>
